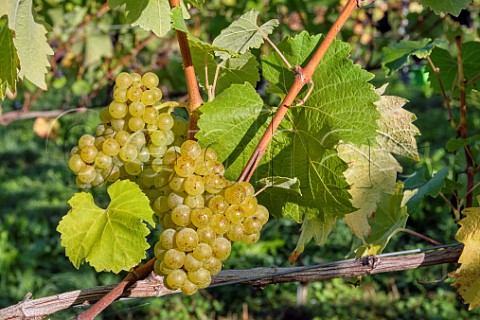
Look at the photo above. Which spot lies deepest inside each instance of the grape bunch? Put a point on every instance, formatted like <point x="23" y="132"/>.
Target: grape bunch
<point x="201" y="216"/>
<point x="132" y="139"/>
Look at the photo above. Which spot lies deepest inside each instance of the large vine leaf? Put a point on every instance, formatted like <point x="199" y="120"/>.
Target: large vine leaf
<point x="398" y="54"/>
<point x="244" y="34"/>
<point x="111" y="239"/>
<point x="448" y="66"/>
<point x="372" y="169"/>
<point x="150" y="15"/>
<point x="29" y="40"/>
<point x="447" y="6"/>
<point x="232" y="124"/>
<point x="423" y="185"/>
<point x="467" y="276"/>
<point x="8" y="59"/>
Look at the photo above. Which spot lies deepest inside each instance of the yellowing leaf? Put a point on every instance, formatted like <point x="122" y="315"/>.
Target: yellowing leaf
<point x="30" y="40"/>
<point x="111" y="239"/>
<point x="467" y="276"/>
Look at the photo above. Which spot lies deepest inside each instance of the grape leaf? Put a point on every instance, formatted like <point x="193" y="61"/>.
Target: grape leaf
<point x="30" y="41"/>
<point x="398" y="54"/>
<point x="197" y="3"/>
<point x="467" y="276"/>
<point x="244" y="34"/>
<point x="232" y="124"/>
<point x="111" y="239"/>
<point x="372" y="169"/>
<point x="390" y="216"/>
<point x="448" y="66"/>
<point x="454" y="144"/>
<point x="8" y="59"/>
<point x="150" y="15"/>
<point x="290" y="184"/>
<point x="430" y="187"/>
<point x="342" y="100"/>
<point x="97" y="46"/>
<point x="447" y="6"/>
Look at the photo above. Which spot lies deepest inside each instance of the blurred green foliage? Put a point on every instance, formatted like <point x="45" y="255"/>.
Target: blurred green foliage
<point x="35" y="183"/>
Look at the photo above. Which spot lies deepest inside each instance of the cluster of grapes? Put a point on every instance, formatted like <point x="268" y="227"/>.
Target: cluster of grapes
<point x="201" y="215"/>
<point x="201" y="212"/>
<point x="132" y="139"/>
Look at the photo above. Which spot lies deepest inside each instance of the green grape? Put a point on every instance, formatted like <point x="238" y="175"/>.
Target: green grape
<point x="105" y="116"/>
<point x="111" y="174"/>
<point x="144" y="155"/>
<point x="218" y="168"/>
<point x="221" y="248"/>
<point x="137" y="139"/>
<point x="218" y="204"/>
<point x="213" y="265"/>
<point x="204" y="167"/>
<point x="136" y="79"/>
<point x="194" y="201"/>
<point x="236" y="232"/>
<point x="158" y="251"/>
<point x="157" y="164"/>
<point x="103" y="161"/>
<point x="181" y="215"/>
<point x="249" y="205"/>
<point x="157" y="151"/>
<point x="252" y="225"/>
<point x="75" y="150"/>
<point x="249" y="190"/>
<point x="122" y="137"/>
<point x="201" y="217"/>
<point x="170" y="137"/>
<point x="82" y="185"/>
<point x="100" y="130"/>
<point x="133" y="168"/>
<point x="149" y="97"/>
<point x="262" y="214"/>
<point x="161" y="204"/>
<point x="164" y="270"/>
<point x="208" y="153"/>
<point x="176" y="279"/>
<point x="76" y="163"/>
<point x="219" y="223"/>
<point x="191" y="263"/>
<point x="186" y="239"/>
<point x="191" y="149"/>
<point x="171" y="155"/>
<point x="161" y="180"/>
<point x="87" y="174"/>
<point x="87" y="140"/>
<point x="159" y="138"/>
<point x="166" y="238"/>
<point x="194" y="185"/>
<point x="202" y="251"/>
<point x="251" y="238"/>
<point x="88" y="154"/>
<point x="184" y="166"/>
<point x="136" y="124"/>
<point x="235" y="194"/>
<point x="150" y="80"/>
<point x="146" y="180"/>
<point x="109" y="133"/>
<point x="165" y="121"/>
<point x="189" y="288"/>
<point x="174" y="258"/>
<point x="118" y="110"/>
<point x="235" y="214"/>
<point x="117" y="162"/>
<point x="134" y="93"/>
<point x="206" y="235"/>
<point x="213" y="183"/>
<point x="111" y="147"/>
<point x="158" y="93"/>
<point x="120" y="94"/>
<point x="99" y="142"/>
<point x="175" y="199"/>
<point x="168" y="223"/>
<point x="123" y="80"/>
<point x="136" y="109"/>
<point x="128" y="153"/>
<point x="118" y="124"/>
<point x="180" y="127"/>
<point x="177" y="183"/>
<point x="150" y="115"/>
<point x="201" y="278"/>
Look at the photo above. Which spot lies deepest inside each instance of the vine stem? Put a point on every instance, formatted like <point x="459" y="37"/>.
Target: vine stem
<point x="421" y="236"/>
<point x="194" y="97"/>
<point x="462" y="126"/>
<point x="304" y="76"/>
<point x="133" y="276"/>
